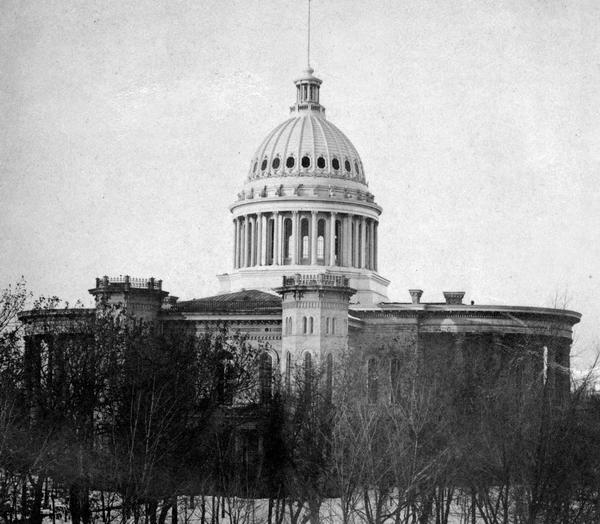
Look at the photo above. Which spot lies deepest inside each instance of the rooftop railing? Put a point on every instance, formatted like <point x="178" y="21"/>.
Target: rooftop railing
<point x="131" y="282"/>
<point x="318" y="279"/>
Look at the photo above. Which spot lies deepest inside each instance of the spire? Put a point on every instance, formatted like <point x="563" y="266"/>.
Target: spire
<point x="308" y="85"/>
<point x="308" y="41"/>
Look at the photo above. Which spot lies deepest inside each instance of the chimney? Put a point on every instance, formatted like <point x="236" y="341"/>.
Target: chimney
<point x="454" y="297"/>
<point x="415" y="295"/>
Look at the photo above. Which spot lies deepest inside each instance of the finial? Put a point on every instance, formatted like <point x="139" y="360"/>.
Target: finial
<point x="308" y="41"/>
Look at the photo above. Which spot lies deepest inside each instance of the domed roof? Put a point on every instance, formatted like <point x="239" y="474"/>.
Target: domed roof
<point x="307" y="144"/>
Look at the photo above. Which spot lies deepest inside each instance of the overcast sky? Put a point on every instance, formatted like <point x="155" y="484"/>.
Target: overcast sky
<point x="127" y="128"/>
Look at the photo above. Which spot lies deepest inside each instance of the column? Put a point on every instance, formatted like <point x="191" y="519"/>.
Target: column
<point x="332" y="239"/>
<point x="363" y="239"/>
<point x="263" y="240"/>
<point x="259" y="235"/>
<point x="253" y="242"/>
<point x="235" y="242"/>
<point x="355" y="242"/>
<point x="276" y="241"/>
<point x="375" y="246"/>
<point x="245" y="253"/>
<point x="295" y="238"/>
<point x="313" y="237"/>
<point x="347" y="241"/>
<point x="372" y="246"/>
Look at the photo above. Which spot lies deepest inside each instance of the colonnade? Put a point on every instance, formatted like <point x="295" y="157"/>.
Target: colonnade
<point x="305" y="238"/>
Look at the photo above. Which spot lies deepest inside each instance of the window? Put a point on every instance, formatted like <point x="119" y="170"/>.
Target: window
<point x="304" y="324"/>
<point x="372" y="380"/>
<point x="356" y="167"/>
<point x="333" y="326"/>
<point x="321" y="239"/>
<point x="347" y="166"/>
<point x="290" y="162"/>
<point x="304" y="236"/>
<point x="263" y="166"/>
<point x="335" y="163"/>
<point x="275" y="163"/>
<point x="305" y="161"/>
<point x="312" y="325"/>
<point x="327" y="326"/>
<point x="321" y="162"/>
<point x="255" y="166"/>
<point x="287" y="238"/>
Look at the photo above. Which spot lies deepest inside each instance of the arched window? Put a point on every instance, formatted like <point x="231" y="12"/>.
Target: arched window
<point x="329" y="377"/>
<point x="304" y="236"/>
<point x="287" y="239"/>
<point x="270" y="241"/>
<point x="395" y="379"/>
<point x="333" y="326"/>
<point x="321" y="239"/>
<point x="327" y="326"/>
<point x="304" y="325"/>
<point x="312" y="325"/>
<point x="338" y="242"/>
<point x="372" y="380"/>
<point x="265" y="377"/>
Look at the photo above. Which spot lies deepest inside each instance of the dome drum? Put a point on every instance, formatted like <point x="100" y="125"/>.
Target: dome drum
<point x="305" y="206"/>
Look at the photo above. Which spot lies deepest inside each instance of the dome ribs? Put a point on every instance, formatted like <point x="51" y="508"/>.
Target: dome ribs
<point x="287" y="143"/>
<point x="276" y="142"/>
<point x="308" y="134"/>
<point x="300" y="143"/>
<point x="265" y="143"/>
<point x="325" y="143"/>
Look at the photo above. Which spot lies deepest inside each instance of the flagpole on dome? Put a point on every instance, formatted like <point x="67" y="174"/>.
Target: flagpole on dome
<point x="308" y="40"/>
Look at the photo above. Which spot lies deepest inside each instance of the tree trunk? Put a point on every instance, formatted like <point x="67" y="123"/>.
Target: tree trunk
<point x="36" y="508"/>
<point x="151" y="510"/>
<point x="74" y="505"/>
<point x="164" y="510"/>
<point x="174" y="511"/>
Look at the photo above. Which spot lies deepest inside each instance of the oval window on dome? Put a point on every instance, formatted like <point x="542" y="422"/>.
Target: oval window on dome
<point x="356" y="167"/>
<point x="255" y="166"/>
<point x="335" y="163"/>
<point x="347" y="166"/>
<point x="263" y="166"/>
<point x="289" y="163"/>
<point x="321" y="162"/>
<point x="305" y="161"/>
<point x="275" y="163"/>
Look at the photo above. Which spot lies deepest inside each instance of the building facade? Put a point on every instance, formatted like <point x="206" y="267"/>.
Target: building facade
<point x="304" y="280"/>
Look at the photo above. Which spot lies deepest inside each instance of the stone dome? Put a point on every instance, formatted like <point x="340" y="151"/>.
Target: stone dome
<point x="307" y="144"/>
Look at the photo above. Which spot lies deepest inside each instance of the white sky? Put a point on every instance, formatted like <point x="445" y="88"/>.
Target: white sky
<point x="126" y="129"/>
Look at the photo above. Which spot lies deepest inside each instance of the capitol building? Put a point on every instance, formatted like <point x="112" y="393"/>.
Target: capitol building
<point x="304" y="283"/>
